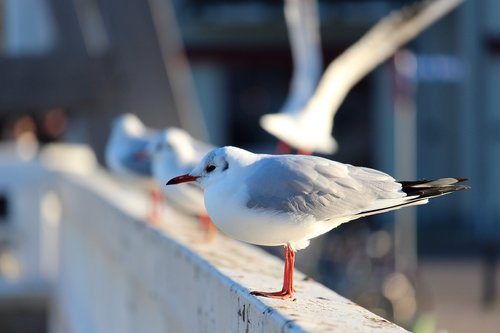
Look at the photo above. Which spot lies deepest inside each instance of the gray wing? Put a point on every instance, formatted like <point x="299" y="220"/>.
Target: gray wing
<point x="324" y="189"/>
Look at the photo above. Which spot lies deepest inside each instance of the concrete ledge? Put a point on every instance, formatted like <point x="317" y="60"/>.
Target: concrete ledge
<point x="118" y="274"/>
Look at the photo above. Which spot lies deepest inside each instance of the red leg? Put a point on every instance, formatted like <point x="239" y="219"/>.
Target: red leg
<point x="154" y="213"/>
<point x="283" y="148"/>
<point x="287" y="291"/>
<point x="208" y="226"/>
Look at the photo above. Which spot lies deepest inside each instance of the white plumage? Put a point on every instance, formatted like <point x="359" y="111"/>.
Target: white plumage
<point x="128" y="139"/>
<point x="174" y="151"/>
<point x="310" y="127"/>
<point x="289" y="199"/>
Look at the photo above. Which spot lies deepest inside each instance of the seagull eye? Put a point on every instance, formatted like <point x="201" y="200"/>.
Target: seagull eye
<point x="210" y="168"/>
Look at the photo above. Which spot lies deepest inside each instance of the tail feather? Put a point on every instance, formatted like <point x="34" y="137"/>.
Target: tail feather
<point x="420" y="191"/>
<point x="432" y="188"/>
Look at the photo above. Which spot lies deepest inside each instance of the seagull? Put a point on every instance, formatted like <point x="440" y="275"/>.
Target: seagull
<point x="174" y="151"/>
<point x="128" y="139"/>
<point x="286" y="200"/>
<point x="124" y="154"/>
<point x="309" y="128"/>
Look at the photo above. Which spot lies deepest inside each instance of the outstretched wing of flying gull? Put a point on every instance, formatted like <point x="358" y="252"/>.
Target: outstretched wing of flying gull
<point x="302" y="20"/>
<point x="310" y="128"/>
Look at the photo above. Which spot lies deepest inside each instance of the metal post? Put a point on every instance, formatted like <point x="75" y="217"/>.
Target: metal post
<point x="405" y="157"/>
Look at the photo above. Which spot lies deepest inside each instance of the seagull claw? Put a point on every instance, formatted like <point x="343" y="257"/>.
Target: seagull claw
<point x="283" y="294"/>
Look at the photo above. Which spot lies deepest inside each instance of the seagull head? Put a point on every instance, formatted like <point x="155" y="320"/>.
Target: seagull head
<point x="216" y="166"/>
<point x="128" y="123"/>
<point x="172" y="143"/>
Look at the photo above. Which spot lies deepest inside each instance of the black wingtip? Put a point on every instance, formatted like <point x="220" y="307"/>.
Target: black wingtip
<point x="435" y="187"/>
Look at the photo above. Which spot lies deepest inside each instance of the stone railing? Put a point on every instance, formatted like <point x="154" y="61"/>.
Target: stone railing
<point x="116" y="273"/>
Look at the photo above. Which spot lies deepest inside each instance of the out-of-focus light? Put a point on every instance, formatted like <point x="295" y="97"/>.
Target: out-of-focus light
<point x="10" y="268"/>
<point x="399" y="290"/>
<point x="396" y="286"/>
<point x="406" y="63"/>
<point x="426" y="323"/>
<point x="74" y="158"/>
<point x="405" y="309"/>
<point x="54" y="123"/>
<point x="51" y="208"/>
<point x="26" y="146"/>
<point x="24" y="124"/>
<point x="378" y="244"/>
<point x="51" y="211"/>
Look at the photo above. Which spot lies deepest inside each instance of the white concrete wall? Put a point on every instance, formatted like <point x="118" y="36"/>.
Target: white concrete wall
<point x="22" y="185"/>
<point x="118" y="274"/>
<point x="29" y="231"/>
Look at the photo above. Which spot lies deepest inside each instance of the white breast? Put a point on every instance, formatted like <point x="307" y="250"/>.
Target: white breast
<point x="226" y="206"/>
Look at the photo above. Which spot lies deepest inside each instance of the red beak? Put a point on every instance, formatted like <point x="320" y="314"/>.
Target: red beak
<point x="182" y="179"/>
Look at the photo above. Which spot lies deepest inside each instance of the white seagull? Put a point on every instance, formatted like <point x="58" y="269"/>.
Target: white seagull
<point x="127" y="141"/>
<point x="173" y="151"/>
<point x="125" y="156"/>
<point x="286" y="200"/>
<point x="310" y="128"/>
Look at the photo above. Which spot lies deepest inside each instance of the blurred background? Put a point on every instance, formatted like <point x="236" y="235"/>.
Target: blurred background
<point x="214" y="67"/>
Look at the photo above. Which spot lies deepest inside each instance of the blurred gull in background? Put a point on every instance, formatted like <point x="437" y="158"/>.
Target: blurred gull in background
<point x="309" y="128"/>
<point x="287" y="200"/>
<point x="128" y="140"/>
<point x="173" y="152"/>
<point x="302" y="19"/>
<point x="125" y="155"/>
